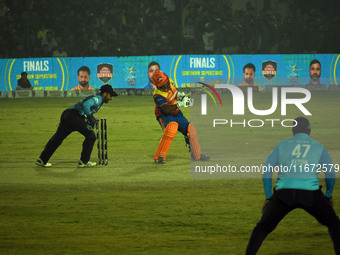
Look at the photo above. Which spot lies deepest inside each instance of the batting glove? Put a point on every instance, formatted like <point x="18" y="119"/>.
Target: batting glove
<point x="184" y="103"/>
<point x="180" y="96"/>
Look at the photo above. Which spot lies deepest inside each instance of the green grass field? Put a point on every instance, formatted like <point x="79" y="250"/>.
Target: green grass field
<point x="134" y="206"/>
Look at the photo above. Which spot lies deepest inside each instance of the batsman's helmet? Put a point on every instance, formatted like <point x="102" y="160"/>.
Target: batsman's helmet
<point x="302" y="126"/>
<point x="160" y="79"/>
<point x="108" y="88"/>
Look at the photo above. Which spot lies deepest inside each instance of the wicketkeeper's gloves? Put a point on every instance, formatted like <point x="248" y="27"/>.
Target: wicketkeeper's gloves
<point x="92" y="121"/>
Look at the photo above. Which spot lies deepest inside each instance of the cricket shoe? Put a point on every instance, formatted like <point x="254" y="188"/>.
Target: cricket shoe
<point x="39" y="162"/>
<point x="88" y="164"/>
<point x="160" y="160"/>
<point x="202" y="158"/>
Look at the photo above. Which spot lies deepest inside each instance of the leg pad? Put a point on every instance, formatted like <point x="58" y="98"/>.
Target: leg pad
<point x="194" y="144"/>
<point x="168" y="135"/>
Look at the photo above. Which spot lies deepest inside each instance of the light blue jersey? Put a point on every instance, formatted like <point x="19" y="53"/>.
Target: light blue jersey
<point x="89" y="105"/>
<point x="299" y="160"/>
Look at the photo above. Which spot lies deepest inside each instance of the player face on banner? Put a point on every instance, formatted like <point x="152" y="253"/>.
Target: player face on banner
<point x="83" y="78"/>
<point x="151" y="70"/>
<point x="315" y="72"/>
<point x="249" y="76"/>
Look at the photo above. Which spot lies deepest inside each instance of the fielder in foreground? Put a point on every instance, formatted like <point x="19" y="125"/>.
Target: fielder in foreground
<point x="168" y="101"/>
<point x="78" y="117"/>
<point x="299" y="187"/>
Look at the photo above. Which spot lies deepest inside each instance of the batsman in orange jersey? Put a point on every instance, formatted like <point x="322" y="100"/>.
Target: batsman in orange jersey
<point x="168" y="102"/>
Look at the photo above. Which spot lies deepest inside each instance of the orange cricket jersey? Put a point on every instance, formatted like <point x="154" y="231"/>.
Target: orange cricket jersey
<point x="168" y="97"/>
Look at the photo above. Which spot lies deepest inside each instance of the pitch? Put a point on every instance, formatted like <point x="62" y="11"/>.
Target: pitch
<point x="134" y="206"/>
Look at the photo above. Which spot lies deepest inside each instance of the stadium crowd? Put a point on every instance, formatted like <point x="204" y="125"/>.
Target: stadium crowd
<point x="46" y="28"/>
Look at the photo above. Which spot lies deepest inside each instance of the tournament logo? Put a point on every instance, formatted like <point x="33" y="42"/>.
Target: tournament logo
<point x="105" y="72"/>
<point x="269" y="69"/>
<point x="294" y="74"/>
<point x="131" y="76"/>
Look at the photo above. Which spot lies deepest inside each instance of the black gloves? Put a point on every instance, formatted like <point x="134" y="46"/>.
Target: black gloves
<point x="92" y="121"/>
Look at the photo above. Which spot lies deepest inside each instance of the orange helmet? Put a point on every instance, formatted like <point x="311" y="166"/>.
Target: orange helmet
<point x="159" y="78"/>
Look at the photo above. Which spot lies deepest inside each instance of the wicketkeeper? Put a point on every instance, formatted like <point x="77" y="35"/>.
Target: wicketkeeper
<point x="168" y="102"/>
<point x="78" y="117"/>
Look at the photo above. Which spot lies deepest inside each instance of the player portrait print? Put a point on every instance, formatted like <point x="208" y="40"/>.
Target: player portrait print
<point x="105" y="72"/>
<point x="269" y="69"/>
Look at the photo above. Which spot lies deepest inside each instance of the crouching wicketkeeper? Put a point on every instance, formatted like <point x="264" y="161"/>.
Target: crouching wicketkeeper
<point x="78" y="117"/>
